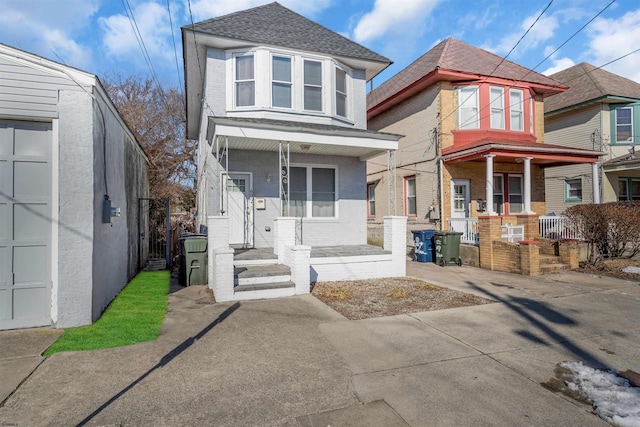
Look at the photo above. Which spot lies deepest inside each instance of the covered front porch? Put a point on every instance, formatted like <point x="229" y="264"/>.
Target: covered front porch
<point x="287" y="268"/>
<point x="297" y="192"/>
<point x="493" y="193"/>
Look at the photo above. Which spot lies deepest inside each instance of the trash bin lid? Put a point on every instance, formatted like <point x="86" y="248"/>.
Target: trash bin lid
<point x="195" y="244"/>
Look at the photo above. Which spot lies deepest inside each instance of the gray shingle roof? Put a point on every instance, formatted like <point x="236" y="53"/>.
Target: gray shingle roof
<point x="587" y="83"/>
<point x="455" y="55"/>
<point x="274" y="24"/>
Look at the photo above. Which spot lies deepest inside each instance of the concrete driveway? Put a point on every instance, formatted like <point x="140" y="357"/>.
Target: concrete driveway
<point x="295" y="362"/>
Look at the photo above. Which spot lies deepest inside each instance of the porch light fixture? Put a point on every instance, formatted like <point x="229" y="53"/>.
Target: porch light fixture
<point x="268" y="177"/>
<point x="305" y="147"/>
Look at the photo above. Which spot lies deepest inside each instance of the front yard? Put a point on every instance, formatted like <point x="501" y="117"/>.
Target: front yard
<point x="363" y="299"/>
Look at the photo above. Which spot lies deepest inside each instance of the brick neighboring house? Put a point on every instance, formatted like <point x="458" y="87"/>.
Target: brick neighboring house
<point x="278" y="105"/>
<point x="473" y="146"/>
<point x="599" y="111"/>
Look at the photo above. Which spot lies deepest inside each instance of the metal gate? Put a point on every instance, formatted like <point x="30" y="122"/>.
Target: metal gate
<point x="154" y="225"/>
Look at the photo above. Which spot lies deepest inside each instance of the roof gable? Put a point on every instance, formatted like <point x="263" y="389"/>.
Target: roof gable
<point x="274" y="24"/>
<point x="589" y="83"/>
<point x="457" y="56"/>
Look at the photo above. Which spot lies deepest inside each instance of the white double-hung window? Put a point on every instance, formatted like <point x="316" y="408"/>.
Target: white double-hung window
<point x="312" y="191"/>
<point x="341" y="92"/>
<point x="245" y="84"/>
<point x="497" y="107"/>
<point x="516" y="109"/>
<point x="281" y="82"/>
<point x="468" y="117"/>
<point x="312" y="85"/>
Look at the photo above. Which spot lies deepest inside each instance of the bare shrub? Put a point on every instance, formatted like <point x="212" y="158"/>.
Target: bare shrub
<point x="611" y="230"/>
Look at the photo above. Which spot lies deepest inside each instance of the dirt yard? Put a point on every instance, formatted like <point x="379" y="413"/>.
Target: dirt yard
<point x="363" y="299"/>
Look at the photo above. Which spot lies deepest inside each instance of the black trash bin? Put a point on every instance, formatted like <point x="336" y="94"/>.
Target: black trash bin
<point x="423" y="244"/>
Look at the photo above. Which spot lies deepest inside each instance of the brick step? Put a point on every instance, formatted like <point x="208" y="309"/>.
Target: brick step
<point x="261" y="275"/>
<point x="553" y="268"/>
<point x="549" y="259"/>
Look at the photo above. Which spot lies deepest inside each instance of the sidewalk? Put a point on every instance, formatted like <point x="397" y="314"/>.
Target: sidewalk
<point x="296" y="362"/>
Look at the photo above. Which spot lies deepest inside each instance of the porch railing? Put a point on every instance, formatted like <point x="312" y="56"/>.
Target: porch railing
<point x="467" y="226"/>
<point x="559" y="227"/>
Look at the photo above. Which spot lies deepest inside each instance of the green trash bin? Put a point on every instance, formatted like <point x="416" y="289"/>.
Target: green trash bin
<point x="446" y="245"/>
<point x="195" y="260"/>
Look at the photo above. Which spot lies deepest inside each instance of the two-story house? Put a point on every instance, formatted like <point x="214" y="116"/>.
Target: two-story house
<point x="473" y="142"/>
<point x="599" y="111"/>
<point x="278" y="105"/>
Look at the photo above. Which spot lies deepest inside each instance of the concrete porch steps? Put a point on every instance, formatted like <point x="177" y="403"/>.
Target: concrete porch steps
<point x="550" y="264"/>
<point x="262" y="281"/>
<point x="253" y="275"/>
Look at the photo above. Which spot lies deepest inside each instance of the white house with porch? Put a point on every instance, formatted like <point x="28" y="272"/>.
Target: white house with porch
<point x="278" y="106"/>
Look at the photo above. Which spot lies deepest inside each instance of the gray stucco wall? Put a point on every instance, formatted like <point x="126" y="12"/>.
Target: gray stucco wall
<point x="111" y="246"/>
<point x="136" y="177"/>
<point x="76" y="194"/>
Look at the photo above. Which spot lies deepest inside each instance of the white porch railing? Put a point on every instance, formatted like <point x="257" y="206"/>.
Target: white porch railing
<point x="467" y="226"/>
<point x="559" y="227"/>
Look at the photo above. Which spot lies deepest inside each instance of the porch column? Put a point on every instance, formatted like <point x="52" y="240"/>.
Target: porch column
<point x="489" y="188"/>
<point x="527" y="185"/>
<point x="596" y="183"/>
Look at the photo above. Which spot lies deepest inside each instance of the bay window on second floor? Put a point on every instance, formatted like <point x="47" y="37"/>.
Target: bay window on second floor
<point x="494" y="107"/>
<point x="269" y="79"/>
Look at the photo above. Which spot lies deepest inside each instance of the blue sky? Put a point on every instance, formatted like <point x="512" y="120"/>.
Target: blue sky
<point x="96" y="35"/>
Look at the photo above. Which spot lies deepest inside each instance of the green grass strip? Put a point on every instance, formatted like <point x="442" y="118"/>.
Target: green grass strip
<point x="135" y="315"/>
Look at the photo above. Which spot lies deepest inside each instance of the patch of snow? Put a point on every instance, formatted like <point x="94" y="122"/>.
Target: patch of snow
<point x="613" y="398"/>
<point x="631" y="269"/>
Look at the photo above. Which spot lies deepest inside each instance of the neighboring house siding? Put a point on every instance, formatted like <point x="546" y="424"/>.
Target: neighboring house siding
<point x="30" y="92"/>
<point x="416" y="118"/>
<point x="555" y="186"/>
<point x="572" y="129"/>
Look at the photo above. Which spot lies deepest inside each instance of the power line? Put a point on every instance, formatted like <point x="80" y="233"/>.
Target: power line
<point x="145" y="52"/>
<point x="175" y="49"/>
<point x="195" y="42"/>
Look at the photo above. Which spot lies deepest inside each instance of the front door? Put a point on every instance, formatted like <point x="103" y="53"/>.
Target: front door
<point x="239" y="208"/>
<point x="25" y="224"/>
<point x="460" y="198"/>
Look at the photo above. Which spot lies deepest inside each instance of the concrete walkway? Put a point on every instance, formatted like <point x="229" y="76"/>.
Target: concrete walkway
<point x="295" y="362"/>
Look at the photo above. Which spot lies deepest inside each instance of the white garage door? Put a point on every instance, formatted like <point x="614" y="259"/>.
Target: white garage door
<point x="25" y="224"/>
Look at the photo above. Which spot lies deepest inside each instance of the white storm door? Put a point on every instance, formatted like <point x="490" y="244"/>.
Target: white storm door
<point x="460" y="198"/>
<point x="239" y="208"/>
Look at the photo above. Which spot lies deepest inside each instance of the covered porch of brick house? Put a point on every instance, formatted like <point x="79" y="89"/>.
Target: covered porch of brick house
<point x="489" y="166"/>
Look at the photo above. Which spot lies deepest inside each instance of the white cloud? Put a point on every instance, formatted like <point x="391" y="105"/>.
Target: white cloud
<point x="388" y="16"/>
<point x="613" y="38"/>
<point x="47" y="28"/>
<point x="119" y="39"/>
<point x="207" y="9"/>
<point x="542" y="31"/>
<point x="559" y="65"/>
